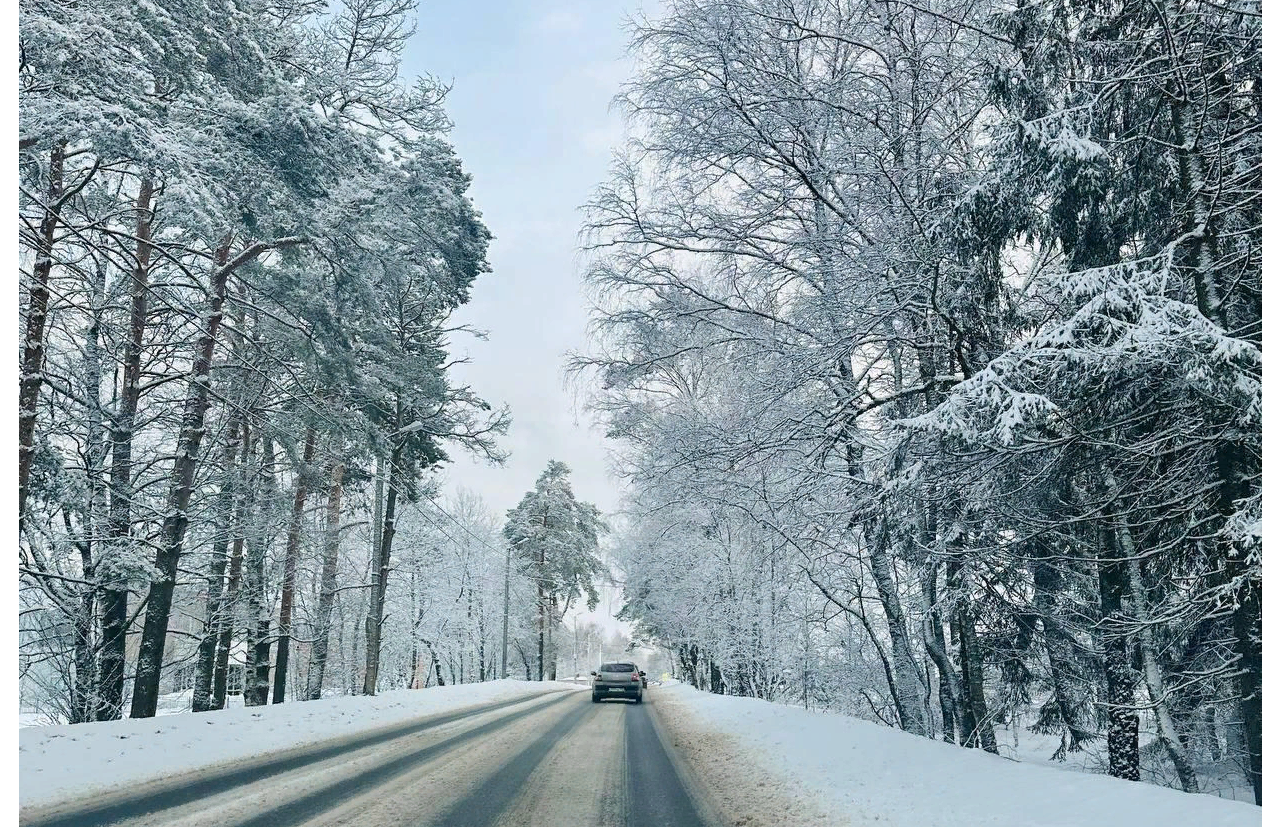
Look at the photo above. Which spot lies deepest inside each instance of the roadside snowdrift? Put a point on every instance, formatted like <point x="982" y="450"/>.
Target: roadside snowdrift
<point x="847" y="771"/>
<point x="58" y="762"/>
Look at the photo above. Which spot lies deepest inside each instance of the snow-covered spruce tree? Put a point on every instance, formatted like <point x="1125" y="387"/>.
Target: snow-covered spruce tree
<point x="1146" y="378"/>
<point x="556" y="539"/>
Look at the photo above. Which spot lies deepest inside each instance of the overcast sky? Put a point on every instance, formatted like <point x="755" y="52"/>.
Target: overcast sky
<point x="532" y="86"/>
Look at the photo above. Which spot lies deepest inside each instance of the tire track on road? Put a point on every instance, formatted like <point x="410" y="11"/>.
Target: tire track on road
<point x="497" y="792"/>
<point x="657" y="796"/>
<point x="300" y="810"/>
<point x="189" y="788"/>
<point x="581" y="782"/>
<point x="556" y="759"/>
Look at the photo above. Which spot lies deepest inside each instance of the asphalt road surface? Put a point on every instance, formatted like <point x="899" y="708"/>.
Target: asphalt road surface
<point x="557" y="760"/>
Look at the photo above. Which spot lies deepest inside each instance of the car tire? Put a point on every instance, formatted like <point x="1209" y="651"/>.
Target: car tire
<point x="638" y="698"/>
<point x="595" y="698"/>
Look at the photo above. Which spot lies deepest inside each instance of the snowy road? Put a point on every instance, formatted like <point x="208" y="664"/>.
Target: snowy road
<point x="555" y="759"/>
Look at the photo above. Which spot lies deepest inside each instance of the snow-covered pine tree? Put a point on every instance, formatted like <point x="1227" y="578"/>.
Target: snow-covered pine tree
<point x="556" y="538"/>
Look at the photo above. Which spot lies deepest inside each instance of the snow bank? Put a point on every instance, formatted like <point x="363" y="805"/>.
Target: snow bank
<point x="862" y="773"/>
<point x="58" y="762"/>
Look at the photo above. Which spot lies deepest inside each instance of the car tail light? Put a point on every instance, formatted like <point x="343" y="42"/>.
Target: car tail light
<point x="635" y="676"/>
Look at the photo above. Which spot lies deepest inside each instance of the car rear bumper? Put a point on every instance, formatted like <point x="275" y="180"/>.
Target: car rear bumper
<point x="605" y="691"/>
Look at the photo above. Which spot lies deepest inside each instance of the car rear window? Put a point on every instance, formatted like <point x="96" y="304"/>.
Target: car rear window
<point x="618" y="667"/>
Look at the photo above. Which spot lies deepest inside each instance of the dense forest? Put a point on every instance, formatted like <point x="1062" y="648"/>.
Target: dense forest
<point x="928" y="334"/>
<point x="931" y="336"/>
<point x="243" y="232"/>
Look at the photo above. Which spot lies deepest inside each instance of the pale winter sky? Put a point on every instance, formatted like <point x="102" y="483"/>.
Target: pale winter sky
<point x="532" y="86"/>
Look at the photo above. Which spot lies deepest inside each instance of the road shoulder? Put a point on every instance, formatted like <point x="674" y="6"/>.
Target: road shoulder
<point x="726" y="777"/>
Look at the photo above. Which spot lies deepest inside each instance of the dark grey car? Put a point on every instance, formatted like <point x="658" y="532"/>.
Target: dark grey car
<point x="619" y="680"/>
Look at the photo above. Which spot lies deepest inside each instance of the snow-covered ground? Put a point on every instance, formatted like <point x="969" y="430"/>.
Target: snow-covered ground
<point x="56" y="762"/>
<point x="773" y="764"/>
<point x="1220" y="779"/>
<point x="171" y="703"/>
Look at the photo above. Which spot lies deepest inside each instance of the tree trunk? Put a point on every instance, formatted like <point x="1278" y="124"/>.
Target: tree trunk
<point x="1209" y="721"/>
<point x="551" y="623"/>
<point x="382" y="568"/>
<point x="1247" y="614"/>
<point x="294" y="540"/>
<point x="1247" y="585"/>
<point x="354" y="674"/>
<point x="32" y="375"/>
<point x="520" y="650"/>
<point x="81" y="704"/>
<point x="415" y="624"/>
<point x="907" y="682"/>
<point x="972" y="680"/>
<point x="695" y="675"/>
<point x="328" y="585"/>
<point x="258" y="625"/>
<point x="226" y="623"/>
<point x="376" y="551"/>
<point x="115" y="593"/>
<point x="155" y="628"/>
<point x="1123" y="718"/>
<point x="976" y="726"/>
<point x="83" y="694"/>
<point x="1247" y="626"/>
<point x="337" y="623"/>
<point x="435" y="665"/>
<point x="206" y="655"/>
<point x="226" y="626"/>
<point x="1152" y="672"/>
<point x="480" y="635"/>
<point x="260" y="669"/>
<point x="542" y="621"/>
<point x="936" y="647"/>
<point x="376" y="530"/>
<point x="84" y="702"/>
<point x="715" y="676"/>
